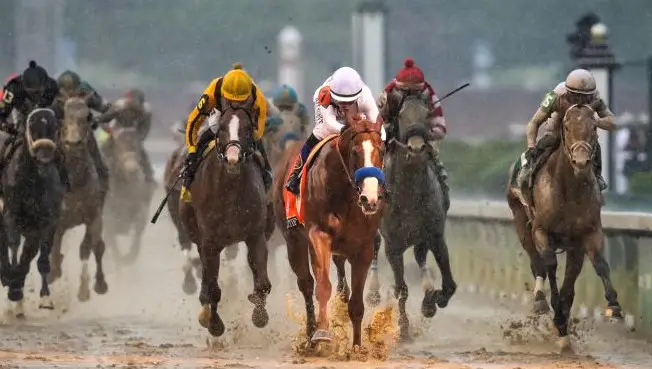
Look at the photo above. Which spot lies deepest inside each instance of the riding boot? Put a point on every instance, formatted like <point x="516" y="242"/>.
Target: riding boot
<point x="267" y="169"/>
<point x="295" y="178"/>
<point x="100" y="165"/>
<point x="442" y="176"/>
<point x="597" y="168"/>
<point x="188" y="171"/>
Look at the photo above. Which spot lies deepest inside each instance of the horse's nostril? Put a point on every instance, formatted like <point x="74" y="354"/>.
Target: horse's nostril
<point x="574" y="161"/>
<point x="364" y="199"/>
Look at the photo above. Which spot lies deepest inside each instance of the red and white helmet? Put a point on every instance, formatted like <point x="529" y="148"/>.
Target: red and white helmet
<point x="346" y="85"/>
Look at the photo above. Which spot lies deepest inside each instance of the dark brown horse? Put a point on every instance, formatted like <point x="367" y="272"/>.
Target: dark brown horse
<point x="84" y="204"/>
<point x="566" y="217"/>
<point x="229" y="205"/>
<point x="343" y="206"/>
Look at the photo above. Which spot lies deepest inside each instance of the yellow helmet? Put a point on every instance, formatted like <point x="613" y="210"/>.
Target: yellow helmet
<point x="237" y="84"/>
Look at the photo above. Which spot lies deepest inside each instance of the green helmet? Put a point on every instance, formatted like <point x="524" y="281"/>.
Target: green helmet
<point x="69" y="81"/>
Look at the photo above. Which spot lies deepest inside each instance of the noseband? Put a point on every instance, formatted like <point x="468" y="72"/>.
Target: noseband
<point x="577" y="144"/>
<point x="244" y="154"/>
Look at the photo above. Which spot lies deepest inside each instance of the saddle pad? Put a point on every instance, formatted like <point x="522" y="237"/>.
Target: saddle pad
<point x="294" y="212"/>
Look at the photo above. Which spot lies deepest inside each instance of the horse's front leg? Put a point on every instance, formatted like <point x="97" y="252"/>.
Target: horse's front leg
<point x="542" y="242"/>
<point x="373" y="296"/>
<point x="574" y="263"/>
<point x="44" y="246"/>
<point x="394" y="252"/>
<point x="448" y="286"/>
<point x="321" y="243"/>
<point x="342" y="286"/>
<point x="257" y="258"/>
<point x="593" y="246"/>
<point x="5" y="267"/>
<point x="359" y="269"/>
<point x="56" y="257"/>
<point x="211" y="293"/>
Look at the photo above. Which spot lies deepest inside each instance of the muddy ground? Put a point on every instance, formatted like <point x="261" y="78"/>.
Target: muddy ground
<point x="146" y="321"/>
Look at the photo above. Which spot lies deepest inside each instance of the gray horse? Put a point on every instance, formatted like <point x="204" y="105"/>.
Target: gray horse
<point x="414" y="215"/>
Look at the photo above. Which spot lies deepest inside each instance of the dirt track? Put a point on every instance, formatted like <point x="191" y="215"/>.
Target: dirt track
<point x="146" y="320"/>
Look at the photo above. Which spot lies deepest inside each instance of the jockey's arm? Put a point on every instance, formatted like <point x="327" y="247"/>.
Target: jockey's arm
<point x="261" y="106"/>
<point x="369" y="108"/>
<point x="146" y="121"/>
<point x="383" y="106"/>
<point x="197" y="116"/>
<point x="437" y="117"/>
<point x="546" y="108"/>
<point x="94" y="100"/>
<point x="607" y="119"/>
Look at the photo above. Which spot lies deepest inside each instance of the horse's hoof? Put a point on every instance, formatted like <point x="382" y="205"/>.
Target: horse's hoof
<point x="21" y="316"/>
<point x="189" y="284"/>
<point x="260" y="318"/>
<point x="614" y="313"/>
<point x="564" y="345"/>
<point x="46" y="303"/>
<point x="216" y="326"/>
<point x="428" y="305"/>
<point x="19" y="310"/>
<point x="15" y="294"/>
<point x="204" y="316"/>
<point x="84" y="294"/>
<point x="540" y="307"/>
<point x="441" y="299"/>
<point x="256" y="299"/>
<point x="373" y="298"/>
<point x="321" y="335"/>
<point x="101" y="287"/>
<point x="404" y="335"/>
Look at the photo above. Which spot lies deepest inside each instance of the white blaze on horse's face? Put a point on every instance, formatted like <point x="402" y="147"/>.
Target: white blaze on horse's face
<point x="370" y="186"/>
<point x="233" y="151"/>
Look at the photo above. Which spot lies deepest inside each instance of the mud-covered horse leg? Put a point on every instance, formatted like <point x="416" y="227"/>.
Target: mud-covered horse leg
<point x="189" y="284"/>
<point x="44" y="246"/>
<point x="257" y="259"/>
<point x="373" y="296"/>
<point x="542" y="242"/>
<point x="428" y="304"/>
<point x="574" y="263"/>
<point x="19" y="268"/>
<point x="84" y="292"/>
<point x="593" y="246"/>
<point x="439" y="248"/>
<point x="320" y="258"/>
<point x="56" y="256"/>
<point x="342" y="286"/>
<point x="137" y="238"/>
<point x="97" y="245"/>
<point x="210" y="294"/>
<point x="5" y="266"/>
<point x="540" y="305"/>
<point x="395" y="257"/>
<point x="359" y="269"/>
<point x="298" y="255"/>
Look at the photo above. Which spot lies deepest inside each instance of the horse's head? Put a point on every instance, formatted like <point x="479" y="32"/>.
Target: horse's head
<point x="579" y="137"/>
<point x="75" y="128"/>
<point x="362" y="149"/>
<point x="235" y="137"/>
<point x="41" y="131"/>
<point x="413" y="128"/>
<point x="126" y="148"/>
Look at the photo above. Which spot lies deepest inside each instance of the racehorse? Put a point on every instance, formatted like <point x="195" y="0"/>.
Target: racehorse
<point x="340" y="207"/>
<point x="84" y="204"/>
<point x="130" y="194"/>
<point x="229" y="205"/>
<point x="32" y="196"/>
<point x="415" y="213"/>
<point x="565" y="216"/>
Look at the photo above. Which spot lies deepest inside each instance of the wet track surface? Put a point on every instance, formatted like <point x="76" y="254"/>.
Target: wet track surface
<point x="146" y="320"/>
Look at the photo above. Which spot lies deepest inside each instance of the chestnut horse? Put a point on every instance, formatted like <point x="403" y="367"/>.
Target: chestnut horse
<point x="342" y="205"/>
<point x="566" y="217"/>
<point x="229" y="205"/>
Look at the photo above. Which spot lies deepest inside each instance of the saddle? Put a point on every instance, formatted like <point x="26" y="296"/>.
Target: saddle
<point x="294" y="209"/>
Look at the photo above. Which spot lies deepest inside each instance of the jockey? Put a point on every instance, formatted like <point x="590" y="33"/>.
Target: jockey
<point x="236" y="89"/>
<point x="341" y="92"/>
<point x="71" y="85"/>
<point x="132" y="111"/>
<point x="285" y="99"/>
<point x="411" y="81"/>
<point x="31" y="90"/>
<point x="9" y="78"/>
<point x="579" y="88"/>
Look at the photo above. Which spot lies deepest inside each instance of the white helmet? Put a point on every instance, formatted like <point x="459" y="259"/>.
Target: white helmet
<point x="346" y="85"/>
<point x="580" y="81"/>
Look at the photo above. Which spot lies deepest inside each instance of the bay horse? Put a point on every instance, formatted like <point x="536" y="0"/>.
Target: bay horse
<point x="32" y="197"/>
<point x="414" y="214"/>
<point x="129" y="197"/>
<point x="342" y="200"/>
<point x="566" y="217"/>
<point x="84" y="204"/>
<point x="229" y="205"/>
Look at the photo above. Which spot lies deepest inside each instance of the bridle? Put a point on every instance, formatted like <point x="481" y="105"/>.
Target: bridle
<point x="244" y="154"/>
<point x="361" y="173"/>
<point x="568" y="151"/>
